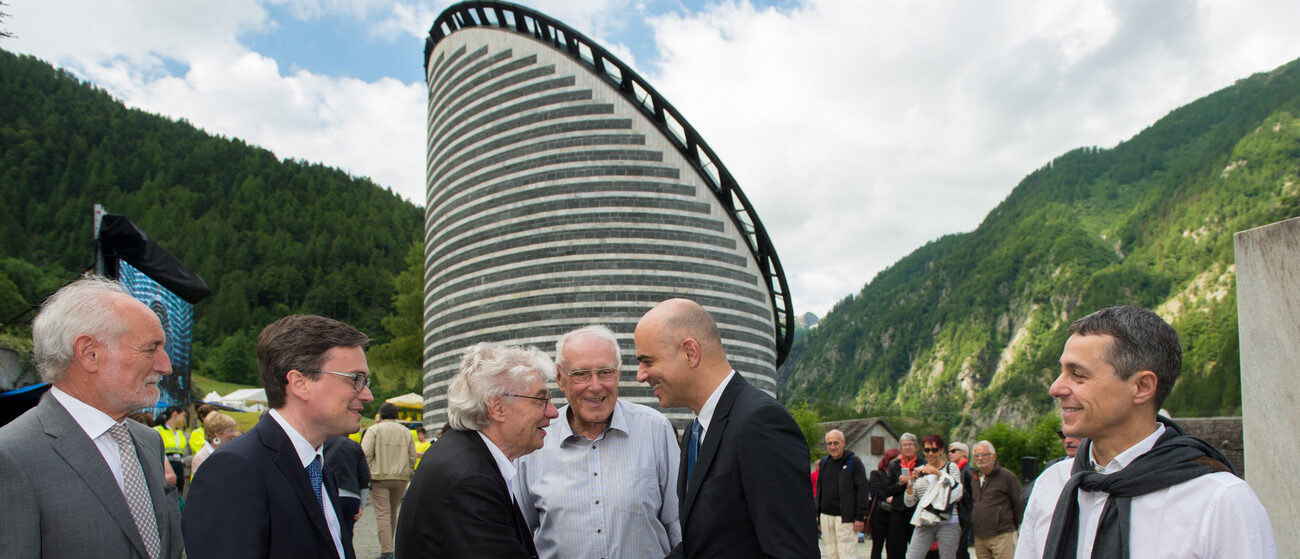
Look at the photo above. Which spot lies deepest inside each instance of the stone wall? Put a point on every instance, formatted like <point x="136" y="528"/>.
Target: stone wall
<point x="1268" y="317"/>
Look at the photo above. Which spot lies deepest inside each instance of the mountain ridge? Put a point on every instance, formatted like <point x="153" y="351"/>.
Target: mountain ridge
<point x="969" y="326"/>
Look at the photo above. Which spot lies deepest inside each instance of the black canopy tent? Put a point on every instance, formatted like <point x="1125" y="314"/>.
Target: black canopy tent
<point x="119" y="239"/>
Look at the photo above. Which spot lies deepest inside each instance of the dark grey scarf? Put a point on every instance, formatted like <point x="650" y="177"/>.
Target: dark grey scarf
<point x="1175" y="458"/>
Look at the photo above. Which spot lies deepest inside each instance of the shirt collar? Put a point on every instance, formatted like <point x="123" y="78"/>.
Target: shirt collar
<point x="617" y="422"/>
<point x="503" y="463"/>
<point x="300" y="445"/>
<point x="706" y="411"/>
<point x="91" y="420"/>
<point x="1123" y="459"/>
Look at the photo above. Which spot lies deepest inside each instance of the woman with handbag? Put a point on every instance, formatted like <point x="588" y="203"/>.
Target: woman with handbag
<point x="878" y="520"/>
<point x="934" y="489"/>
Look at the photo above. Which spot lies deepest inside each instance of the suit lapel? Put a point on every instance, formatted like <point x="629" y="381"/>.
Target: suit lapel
<point x="290" y="466"/>
<point x="81" y="454"/>
<point x="485" y="456"/>
<point x="712" y="438"/>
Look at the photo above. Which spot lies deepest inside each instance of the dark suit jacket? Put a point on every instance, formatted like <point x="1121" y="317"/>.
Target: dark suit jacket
<point x="750" y="494"/>
<point x="458" y="505"/>
<point x="254" y="499"/>
<point x="60" y="499"/>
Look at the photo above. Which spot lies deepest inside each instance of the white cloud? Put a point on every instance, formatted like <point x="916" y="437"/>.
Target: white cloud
<point x="859" y="130"/>
<point x="863" y="130"/>
<point x="366" y="128"/>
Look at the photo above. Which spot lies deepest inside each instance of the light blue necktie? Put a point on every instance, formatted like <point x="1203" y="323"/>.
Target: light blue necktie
<point x="313" y="472"/>
<point x="693" y="447"/>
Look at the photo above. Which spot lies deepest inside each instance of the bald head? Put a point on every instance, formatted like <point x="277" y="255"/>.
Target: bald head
<point x="835" y="443"/>
<point x="681" y="319"/>
<point x="680" y="353"/>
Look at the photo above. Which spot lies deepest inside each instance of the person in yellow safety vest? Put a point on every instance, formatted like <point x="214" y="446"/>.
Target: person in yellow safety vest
<point x="175" y="440"/>
<point x="196" y="436"/>
<point x="421" y="444"/>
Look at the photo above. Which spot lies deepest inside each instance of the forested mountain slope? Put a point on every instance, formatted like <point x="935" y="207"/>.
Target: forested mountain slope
<point x="969" y="327"/>
<point x="270" y="236"/>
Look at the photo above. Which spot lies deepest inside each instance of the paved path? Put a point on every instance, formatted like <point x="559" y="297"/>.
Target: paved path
<point x="366" y="539"/>
<point x="365" y="536"/>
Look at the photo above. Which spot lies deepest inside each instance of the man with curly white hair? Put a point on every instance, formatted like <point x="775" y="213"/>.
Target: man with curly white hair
<point x="460" y="502"/>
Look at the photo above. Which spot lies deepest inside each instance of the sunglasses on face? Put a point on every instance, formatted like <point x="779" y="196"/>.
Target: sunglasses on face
<point x="929" y="450"/>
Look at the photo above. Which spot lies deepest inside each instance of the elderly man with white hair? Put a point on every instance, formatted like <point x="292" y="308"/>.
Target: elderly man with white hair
<point x="77" y="478"/>
<point x="605" y="483"/>
<point x="998" y="508"/>
<point x="460" y="502"/>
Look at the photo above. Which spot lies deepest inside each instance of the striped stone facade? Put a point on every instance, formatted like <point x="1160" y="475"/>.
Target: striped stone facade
<point x="554" y="202"/>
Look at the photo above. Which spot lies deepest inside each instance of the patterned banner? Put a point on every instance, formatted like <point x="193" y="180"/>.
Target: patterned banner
<point x="177" y="318"/>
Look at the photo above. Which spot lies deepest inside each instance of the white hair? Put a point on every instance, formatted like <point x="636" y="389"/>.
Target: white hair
<point x="490" y="371"/>
<point x="83" y="307"/>
<point x="594" y="330"/>
<point x="907" y="437"/>
<point x="992" y="450"/>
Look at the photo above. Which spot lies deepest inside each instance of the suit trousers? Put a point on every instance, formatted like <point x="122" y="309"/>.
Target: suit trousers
<point x="838" y="537"/>
<point x="1000" y="546"/>
<point x="386" y="494"/>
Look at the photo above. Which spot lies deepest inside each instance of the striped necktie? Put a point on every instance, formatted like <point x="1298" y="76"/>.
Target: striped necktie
<point x="136" y="491"/>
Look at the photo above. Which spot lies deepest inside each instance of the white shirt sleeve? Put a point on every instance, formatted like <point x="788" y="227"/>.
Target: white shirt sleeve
<point x="1236" y="525"/>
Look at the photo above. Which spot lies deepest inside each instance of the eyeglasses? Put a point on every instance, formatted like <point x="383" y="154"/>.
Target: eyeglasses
<point x="982" y="455"/>
<point x="359" y="380"/>
<point x="931" y="450"/>
<point x="542" y="399"/>
<point x="583" y="376"/>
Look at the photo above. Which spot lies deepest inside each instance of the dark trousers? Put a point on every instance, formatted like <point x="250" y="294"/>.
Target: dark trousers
<point x="348" y="508"/>
<point x="879" y="531"/>
<point x="900" y="532"/>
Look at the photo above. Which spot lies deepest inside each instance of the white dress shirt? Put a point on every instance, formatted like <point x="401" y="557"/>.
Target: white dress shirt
<point x="504" y="466"/>
<point x="706" y="411"/>
<point x="96" y="425"/>
<point x="612" y="497"/>
<point x="306" y="453"/>
<point x="1214" y="515"/>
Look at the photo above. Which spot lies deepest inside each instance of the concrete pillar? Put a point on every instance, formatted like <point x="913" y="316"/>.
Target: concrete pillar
<point x="1268" y="314"/>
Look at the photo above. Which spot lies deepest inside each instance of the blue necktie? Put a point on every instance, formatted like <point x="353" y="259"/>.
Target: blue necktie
<point x="313" y="472"/>
<point x="693" y="447"/>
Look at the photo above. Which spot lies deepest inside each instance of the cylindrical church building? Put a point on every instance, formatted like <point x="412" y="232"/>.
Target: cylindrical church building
<point x="562" y="190"/>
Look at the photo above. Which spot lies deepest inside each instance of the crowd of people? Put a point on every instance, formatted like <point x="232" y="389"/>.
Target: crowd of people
<point x="511" y="475"/>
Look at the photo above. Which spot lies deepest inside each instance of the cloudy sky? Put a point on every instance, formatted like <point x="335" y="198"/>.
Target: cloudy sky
<point x="860" y="129"/>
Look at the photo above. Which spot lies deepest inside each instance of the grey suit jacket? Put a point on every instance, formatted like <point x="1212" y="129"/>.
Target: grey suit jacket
<point x="60" y="498"/>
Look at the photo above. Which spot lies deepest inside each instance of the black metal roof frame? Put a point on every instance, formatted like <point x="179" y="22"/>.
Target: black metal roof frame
<point x="543" y="28"/>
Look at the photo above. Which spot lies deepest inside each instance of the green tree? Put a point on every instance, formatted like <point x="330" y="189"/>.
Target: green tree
<point x="1012" y="443"/>
<point x="808" y="418"/>
<point x="396" y="365"/>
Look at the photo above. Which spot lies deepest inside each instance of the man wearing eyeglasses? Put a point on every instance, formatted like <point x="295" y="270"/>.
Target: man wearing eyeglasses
<point x="390" y="453"/>
<point x="998" y="508"/>
<point x="605" y="482"/>
<point x="265" y="494"/>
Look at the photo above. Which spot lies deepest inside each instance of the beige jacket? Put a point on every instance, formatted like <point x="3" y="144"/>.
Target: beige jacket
<point x="390" y="451"/>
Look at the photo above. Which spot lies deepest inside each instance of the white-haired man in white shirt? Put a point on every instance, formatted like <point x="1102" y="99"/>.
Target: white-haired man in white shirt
<point x="605" y="482"/>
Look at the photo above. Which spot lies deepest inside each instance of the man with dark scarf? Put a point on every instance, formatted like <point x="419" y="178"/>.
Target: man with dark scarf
<point x="1138" y="486"/>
